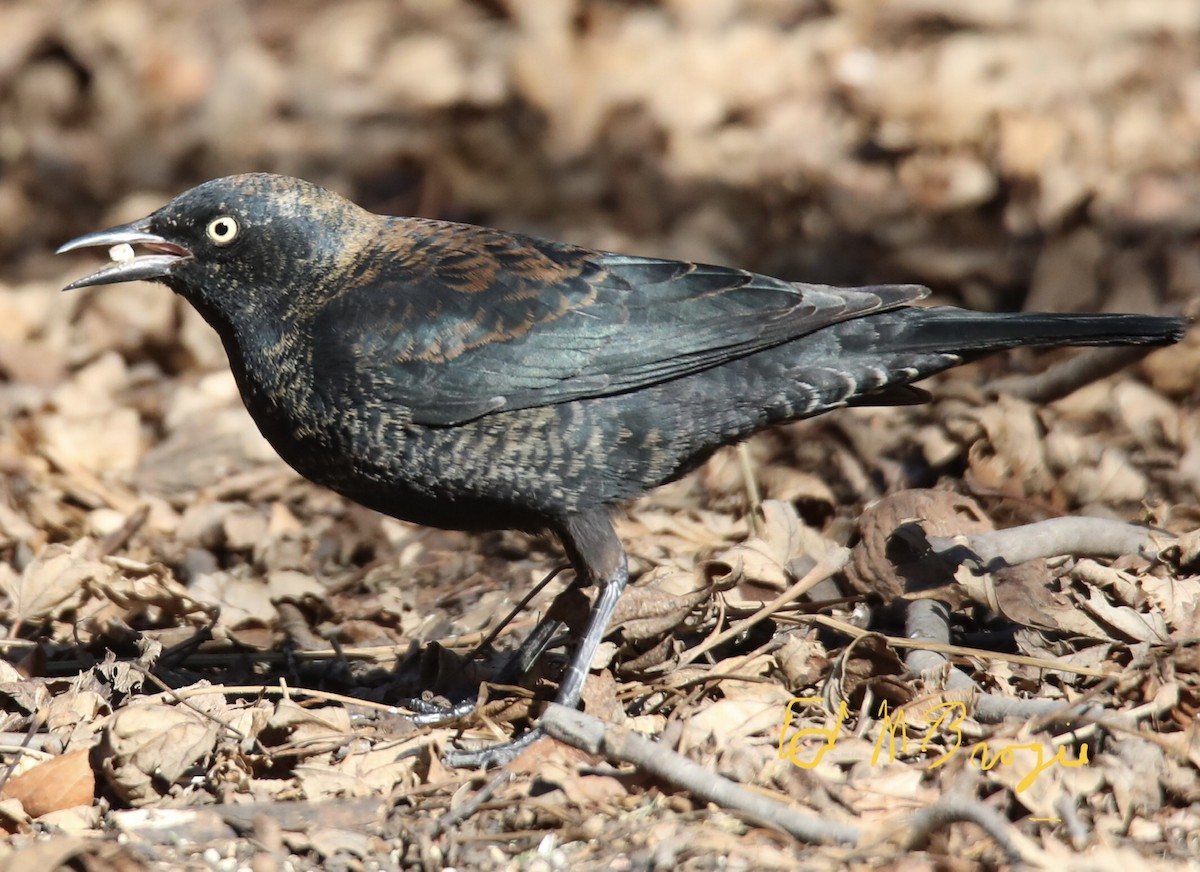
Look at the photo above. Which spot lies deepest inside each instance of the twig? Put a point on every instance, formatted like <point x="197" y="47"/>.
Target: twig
<point x="294" y="625"/>
<point x="29" y="750"/>
<point x="516" y="610"/>
<point x="953" y="809"/>
<point x="960" y="650"/>
<point x="1070" y="375"/>
<point x="753" y="494"/>
<point x="926" y="621"/>
<point x="35" y="724"/>
<point x="624" y="746"/>
<point x="268" y="690"/>
<point x="178" y="697"/>
<point x="1077" y="536"/>
<point x="470" y="806"/>
<point x="119" y="537"/>
<point x="1077" y="831"/>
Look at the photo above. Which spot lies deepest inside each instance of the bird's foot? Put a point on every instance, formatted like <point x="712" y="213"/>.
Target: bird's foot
<point x="427" y="713"/>
<point x="492" y="755"/>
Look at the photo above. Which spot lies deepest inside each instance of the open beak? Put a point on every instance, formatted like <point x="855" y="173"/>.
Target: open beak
<point x="127" y="266"/>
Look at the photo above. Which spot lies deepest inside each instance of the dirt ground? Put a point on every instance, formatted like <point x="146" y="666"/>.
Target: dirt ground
<point x="203" y="653"/>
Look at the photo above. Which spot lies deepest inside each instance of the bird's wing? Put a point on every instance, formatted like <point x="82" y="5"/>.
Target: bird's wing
<point x="456" y="322"/>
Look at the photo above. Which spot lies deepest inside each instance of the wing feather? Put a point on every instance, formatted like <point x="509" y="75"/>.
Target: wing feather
<point x="460" y="322"/>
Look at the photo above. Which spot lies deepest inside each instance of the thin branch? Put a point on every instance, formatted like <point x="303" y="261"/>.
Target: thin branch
<point x="1077" y="536"/>
<point x="619" y="745"/>
<point x="928" y="621"/>
<point x="960" y="650"/>
<point x="470" y="806"/>
<point x="954" y="809"/>
<point x="1070" y="375"/>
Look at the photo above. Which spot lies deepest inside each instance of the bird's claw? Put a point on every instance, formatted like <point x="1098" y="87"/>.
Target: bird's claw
<point x="427" y="713"/>
<point x="493" y="755"/>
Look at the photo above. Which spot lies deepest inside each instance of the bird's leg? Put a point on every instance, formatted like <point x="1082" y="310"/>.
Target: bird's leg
<point x="516" y="665"/>
<point x="563" y="612"/>
<point x="598" y="558"/>
<point x="428" y="713"/>
<point x="596" y="553"/>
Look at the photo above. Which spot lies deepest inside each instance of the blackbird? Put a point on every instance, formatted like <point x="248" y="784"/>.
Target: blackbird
<point x="469" y="378"/>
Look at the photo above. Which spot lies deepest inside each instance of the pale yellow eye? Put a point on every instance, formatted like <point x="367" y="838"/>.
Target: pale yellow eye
<point x="223" y="230"/>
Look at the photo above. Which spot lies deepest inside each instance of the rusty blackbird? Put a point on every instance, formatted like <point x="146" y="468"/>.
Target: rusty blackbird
<point x="464" y="377"/>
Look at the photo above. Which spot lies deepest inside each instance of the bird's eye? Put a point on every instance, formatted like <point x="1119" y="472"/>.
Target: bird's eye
<point x="223" y="230"/>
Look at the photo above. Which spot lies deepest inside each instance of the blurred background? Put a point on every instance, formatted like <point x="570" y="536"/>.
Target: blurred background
<point x="1010" y="153"/>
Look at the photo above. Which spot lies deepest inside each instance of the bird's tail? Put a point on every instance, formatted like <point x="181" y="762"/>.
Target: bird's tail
<point x="972" y="334"/>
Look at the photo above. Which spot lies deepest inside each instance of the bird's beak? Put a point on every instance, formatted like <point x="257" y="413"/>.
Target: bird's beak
<point x="127" y="267"/>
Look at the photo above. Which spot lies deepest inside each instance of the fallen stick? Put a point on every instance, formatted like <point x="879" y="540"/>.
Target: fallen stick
<point x="620" y="745"/>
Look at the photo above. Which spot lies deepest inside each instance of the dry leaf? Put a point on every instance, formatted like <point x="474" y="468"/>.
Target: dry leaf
<point x="364" y="771"/>
<point x="583" y="791"/>
<point x="1011" y="459"/>
<point x="310" y="729"/>
<point x="756" y="709"/>
<point x="241" y="600"/>
<point x="58" y="783"/>
<point x="644" y="612"/>
<point x="52" y="580"/>
<point x="802" y="659"/>
<point x="878" y="567"/>
<point x="1178" y="599"/>
<point x="146" y="749"/>
<point x="74" y="716"/>
<point x="1129" y="623"/>
<point x="1112" y="480"/>
<point x="763" y="560"/>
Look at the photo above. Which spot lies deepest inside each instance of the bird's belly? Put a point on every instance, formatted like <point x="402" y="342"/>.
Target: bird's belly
<point x="525" y="468"/>
<point x="454" y="478"/>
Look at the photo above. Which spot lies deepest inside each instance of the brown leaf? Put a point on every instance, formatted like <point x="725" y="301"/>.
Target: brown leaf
<point x="48" y="856"/>
<point x="870" y="662"/>
<point x="145" y="747"/>
<point x="801" y="659"/>
<point x="878" y="567"/>
<point x="74" y="716"/>
<point x="1179" y="601"/>
<point x="1129" y="623"/>
<point x="1111" y="480"/>
<point x="753" y="708"/>
<point x="653" y="659"/>
<point x="311" y="727"/>
<point x="763" y="560"/>
<point x="647" y="613"/>
<point x="1011" y="459"/>
<point x="241" y="600"/>
<point x="52" y="579"/>
<point x="58" y="783"/>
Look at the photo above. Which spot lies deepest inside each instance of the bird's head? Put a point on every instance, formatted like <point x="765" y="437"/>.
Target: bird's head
<point x="235" y="245"/>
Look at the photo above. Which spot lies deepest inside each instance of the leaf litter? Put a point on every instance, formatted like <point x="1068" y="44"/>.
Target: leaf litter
<point x="207" y="654"/>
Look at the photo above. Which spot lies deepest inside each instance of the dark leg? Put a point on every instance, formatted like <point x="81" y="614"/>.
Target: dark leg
<point x="428" y="713"/>
<point x="598" y="558"/>
<point x="514" y="669"/>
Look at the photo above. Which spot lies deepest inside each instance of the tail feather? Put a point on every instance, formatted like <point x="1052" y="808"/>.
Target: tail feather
<point x="947" y="329"/>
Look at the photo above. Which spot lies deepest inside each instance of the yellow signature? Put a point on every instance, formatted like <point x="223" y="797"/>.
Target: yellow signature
<point x="943" y="719"/>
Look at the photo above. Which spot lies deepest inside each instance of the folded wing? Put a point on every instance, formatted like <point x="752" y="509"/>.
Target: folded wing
<point x="458" y="322"/>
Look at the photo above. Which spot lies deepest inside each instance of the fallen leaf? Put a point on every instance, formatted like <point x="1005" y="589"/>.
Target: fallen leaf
<point x="52" y="579"/>
<point x="1130" y="623"/>
<point x="151" y="746"/>
<point x="58" y="783"/>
